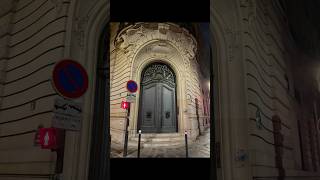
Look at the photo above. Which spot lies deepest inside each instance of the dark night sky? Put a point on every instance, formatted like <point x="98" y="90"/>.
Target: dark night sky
<point x="304" y="22"/>
<point x="204" y="48"/>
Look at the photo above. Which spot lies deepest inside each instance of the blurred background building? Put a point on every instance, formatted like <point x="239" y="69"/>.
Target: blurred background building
<point x="265" y="86"/>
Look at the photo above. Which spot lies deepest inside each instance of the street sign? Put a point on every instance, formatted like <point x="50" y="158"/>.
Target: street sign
<point x="70" y="79"/>
<point x="125" y="105"/>
<point x="132" y="86"/>
<point x="48" y="138"/>
<point x="67" y="114"/>
<point x="131" y="97"/>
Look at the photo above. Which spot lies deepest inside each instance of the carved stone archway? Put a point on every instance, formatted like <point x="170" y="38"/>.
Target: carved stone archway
<point x="145" y="43"/>
<point x="85" y="18"/>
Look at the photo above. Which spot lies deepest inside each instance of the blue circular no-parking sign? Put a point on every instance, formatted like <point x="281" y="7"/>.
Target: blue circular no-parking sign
<point x="132" y="86"/>
<point x="70" y="79"/>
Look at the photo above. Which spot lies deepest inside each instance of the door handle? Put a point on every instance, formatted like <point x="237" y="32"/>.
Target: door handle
<point x="149" y="115"/>
<point x="167" y="114"/>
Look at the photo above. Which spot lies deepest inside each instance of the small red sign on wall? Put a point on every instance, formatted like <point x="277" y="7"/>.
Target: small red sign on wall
<point x="48" y="138"/>
<point x="125" y="105"/>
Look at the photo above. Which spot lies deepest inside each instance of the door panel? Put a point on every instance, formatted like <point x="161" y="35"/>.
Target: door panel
<point x="148" y="115"/>
<point x="168" y="120"/>
<point x="157" y="112"/>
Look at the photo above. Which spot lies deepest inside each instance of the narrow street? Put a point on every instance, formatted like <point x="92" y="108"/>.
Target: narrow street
<point x="198" y="149"/>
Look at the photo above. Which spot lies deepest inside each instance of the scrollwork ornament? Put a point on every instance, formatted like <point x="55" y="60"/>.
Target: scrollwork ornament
<point x="130" y="39"/>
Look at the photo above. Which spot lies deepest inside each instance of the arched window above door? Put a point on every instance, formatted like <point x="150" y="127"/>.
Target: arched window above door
<point x="158" y="72"/>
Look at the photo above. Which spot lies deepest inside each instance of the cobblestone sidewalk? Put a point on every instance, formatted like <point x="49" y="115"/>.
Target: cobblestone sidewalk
<point x="198" y="149"/>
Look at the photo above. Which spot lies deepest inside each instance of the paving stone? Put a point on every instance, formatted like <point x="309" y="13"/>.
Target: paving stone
<point x="200" y="148"/>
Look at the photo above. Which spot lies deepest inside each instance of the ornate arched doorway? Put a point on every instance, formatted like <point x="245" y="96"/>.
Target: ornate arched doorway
<point x="158" y="112"/>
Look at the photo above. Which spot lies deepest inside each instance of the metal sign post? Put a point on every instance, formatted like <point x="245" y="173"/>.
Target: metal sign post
<point x="132" y="87"/>
<point x="126" y="134"/>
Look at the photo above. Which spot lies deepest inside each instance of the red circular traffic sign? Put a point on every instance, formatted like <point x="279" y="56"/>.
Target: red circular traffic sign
<point x="132" y="86"/>
<point x="70" y="79"/>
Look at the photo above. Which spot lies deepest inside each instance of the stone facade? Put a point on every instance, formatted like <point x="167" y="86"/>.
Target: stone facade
<point x="138" y="45"/>
<point x="34" y="35"/>
<point x="26" y="94"/>
<point x="259" y="66"/>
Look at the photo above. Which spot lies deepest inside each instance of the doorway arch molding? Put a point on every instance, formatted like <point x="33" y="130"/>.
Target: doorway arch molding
<point x="147" y="55"/>
<point x="144" y="43"/>
<point x="86" y="22"/>
<point x="182" y="125"/>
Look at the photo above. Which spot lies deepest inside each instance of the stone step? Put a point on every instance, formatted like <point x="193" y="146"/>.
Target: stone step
<point x="167" y="139"/>
<point x="158" y="139"/>
<point x="163" y="144"/>
<point x="158" y="143"/>
<point x="161" y="135"/>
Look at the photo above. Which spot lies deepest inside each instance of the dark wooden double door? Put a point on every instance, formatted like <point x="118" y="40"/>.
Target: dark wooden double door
<point x="157" y="112"/>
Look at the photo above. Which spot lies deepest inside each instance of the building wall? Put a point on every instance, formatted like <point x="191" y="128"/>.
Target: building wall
<point x="307" y="95"/>
<point x="269" y="50"/>
<point x="34" y="35"/>
<point x="258" y="36"/>
<point x="32" y="40"/>
<point x="266" y="57"/>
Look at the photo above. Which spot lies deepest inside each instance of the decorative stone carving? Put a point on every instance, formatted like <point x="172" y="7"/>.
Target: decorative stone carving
<point x="187" y="64"/>
<point x="161" y="48"/>
<point x="129" y="39"/>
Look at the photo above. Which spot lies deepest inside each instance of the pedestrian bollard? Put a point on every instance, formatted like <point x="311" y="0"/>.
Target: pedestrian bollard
<point x="125" y="151"/>
<point x="186" y="140"/>
<point x="139" y="143"/>
<point x="125" y="148"/>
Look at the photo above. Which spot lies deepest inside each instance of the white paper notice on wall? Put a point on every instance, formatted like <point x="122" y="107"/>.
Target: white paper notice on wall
<point x="131" y="97"/>
<point x="67" y="114"/>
